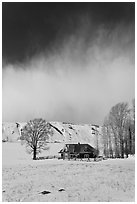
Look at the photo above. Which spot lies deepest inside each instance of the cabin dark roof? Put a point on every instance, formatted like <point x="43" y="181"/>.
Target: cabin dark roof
<point x="80" y="144"/>
<point x="76" y="144"/>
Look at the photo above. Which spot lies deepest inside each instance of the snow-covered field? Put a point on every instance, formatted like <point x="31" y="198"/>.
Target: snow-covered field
<point x="24" y="179"/>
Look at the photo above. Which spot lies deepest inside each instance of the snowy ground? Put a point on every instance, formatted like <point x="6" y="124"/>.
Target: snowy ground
<point x="24" y="179"/>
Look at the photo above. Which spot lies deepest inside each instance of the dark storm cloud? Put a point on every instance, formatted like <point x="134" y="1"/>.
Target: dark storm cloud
<point x="67" y="61"/>
<point x="31" y="28"/>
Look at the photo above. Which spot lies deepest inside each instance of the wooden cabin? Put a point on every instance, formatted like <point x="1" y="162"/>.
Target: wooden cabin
<point x="71" y="151"/>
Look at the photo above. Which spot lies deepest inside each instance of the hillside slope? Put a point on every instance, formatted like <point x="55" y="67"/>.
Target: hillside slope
<point x="62" y="133"/>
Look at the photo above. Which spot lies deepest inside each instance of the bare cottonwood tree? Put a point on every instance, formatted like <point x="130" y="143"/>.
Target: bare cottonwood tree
<point x="118" y="120"/>
<point x="107" y="138"/>
<point x="105" y="141"/>
<point x="133" y="126"/>
<point x="35" y="133"/>
<point x="117" y="130"/>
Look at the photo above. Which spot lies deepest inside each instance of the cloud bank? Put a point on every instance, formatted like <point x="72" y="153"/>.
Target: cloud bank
<point x="78" y="82"/>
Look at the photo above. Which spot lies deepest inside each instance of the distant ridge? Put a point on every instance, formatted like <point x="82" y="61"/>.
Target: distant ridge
<point x="63" y="132"/>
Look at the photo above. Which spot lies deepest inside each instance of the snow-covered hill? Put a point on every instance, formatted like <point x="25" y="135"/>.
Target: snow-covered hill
<point x="63" y="133"/>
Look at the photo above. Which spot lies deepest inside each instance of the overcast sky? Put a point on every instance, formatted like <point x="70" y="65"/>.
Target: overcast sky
<point x="66" y="61"/>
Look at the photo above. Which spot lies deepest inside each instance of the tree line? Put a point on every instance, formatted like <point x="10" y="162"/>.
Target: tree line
<point x="118" y="132"/>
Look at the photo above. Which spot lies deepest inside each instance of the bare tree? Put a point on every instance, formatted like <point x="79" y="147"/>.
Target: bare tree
<point x="133" y="127"/>
<point x="105" y="141"/>
<point x="107" y="138"/>
<point x="115" y="136"/>
<point x="35" y="133"/>
<point x="117" y="131"/>
<point x="119" y="115"/>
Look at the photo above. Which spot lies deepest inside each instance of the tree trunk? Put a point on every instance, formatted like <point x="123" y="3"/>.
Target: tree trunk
<point x="110" y="147"/>
<point x="130" y="141"/>
<point x="122" y="149"/>
<point x="34" y="153"/>
<point x="126" y="148"/>
<point x="116" y="146"/>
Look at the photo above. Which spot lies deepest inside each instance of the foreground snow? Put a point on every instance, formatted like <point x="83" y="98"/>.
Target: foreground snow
<point x="25" y="179"/>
